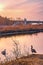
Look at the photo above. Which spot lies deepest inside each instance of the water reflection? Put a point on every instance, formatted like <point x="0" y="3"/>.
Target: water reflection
<point x="24" y="41"/>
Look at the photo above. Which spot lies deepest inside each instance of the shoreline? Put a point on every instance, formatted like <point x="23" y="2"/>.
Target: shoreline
<point x="19" y="32"/>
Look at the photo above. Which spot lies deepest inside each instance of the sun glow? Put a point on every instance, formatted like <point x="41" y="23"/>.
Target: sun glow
<point x="1" y="7"/>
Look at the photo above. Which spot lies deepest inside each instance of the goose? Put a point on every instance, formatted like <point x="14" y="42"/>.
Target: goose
<point x="4" y="52"/>
<point x="33" y="50"/>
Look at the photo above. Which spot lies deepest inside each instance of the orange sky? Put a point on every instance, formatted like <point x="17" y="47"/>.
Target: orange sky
<point x="30" y="9"/>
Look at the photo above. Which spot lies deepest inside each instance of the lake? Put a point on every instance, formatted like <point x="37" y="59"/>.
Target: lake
<point x="24" y="42"/>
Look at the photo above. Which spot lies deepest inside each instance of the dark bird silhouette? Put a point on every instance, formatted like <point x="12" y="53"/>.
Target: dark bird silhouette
<point x="33" y="50"/>
<point x="4" y="52"/>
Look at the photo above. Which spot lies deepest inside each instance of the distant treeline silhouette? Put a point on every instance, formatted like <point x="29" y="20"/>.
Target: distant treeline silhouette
<point x="9" y="21"/>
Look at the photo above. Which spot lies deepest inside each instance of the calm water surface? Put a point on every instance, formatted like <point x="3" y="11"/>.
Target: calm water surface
<point x="24" y="41"/>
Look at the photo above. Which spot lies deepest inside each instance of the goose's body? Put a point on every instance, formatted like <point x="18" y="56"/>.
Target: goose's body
<point x="32" y="49"/>
<point x="4" y="52"/>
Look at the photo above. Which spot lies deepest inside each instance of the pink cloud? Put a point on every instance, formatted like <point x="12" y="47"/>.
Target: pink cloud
<point x="24" y="8"/>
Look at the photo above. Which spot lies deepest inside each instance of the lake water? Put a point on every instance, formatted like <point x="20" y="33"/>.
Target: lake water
<point x="24" y="42"/>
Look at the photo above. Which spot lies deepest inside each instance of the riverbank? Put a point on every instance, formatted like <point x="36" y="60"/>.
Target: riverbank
<point x="20" y="32"/>
<point x="35" y="59"/>
<point x="20" y="29"/>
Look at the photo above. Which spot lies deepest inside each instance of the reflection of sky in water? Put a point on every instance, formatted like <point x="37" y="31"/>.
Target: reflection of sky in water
<point x="23" y="41"/>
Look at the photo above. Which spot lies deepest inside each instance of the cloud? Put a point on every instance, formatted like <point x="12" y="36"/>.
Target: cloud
<point x="24" y="8"/>
<point x="13" y="4"/>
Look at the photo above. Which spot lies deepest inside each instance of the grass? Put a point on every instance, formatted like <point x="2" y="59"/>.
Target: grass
<point x="26" y="60"/>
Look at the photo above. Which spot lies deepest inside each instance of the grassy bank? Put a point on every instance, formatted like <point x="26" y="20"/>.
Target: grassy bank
<point x="26" y="60"/>
<point x="19" y="32"/>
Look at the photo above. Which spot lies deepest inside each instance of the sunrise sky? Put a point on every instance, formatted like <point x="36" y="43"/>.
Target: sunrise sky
<point x="30" y="9"/>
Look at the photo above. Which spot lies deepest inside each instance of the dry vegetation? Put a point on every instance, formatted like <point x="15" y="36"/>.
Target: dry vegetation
<point x="26" y="60"/>
<point x="6" y="25"/>
<point x="21" y="27"/>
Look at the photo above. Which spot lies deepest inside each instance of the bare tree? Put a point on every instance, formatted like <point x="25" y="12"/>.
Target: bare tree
<point x="16" y="49"/>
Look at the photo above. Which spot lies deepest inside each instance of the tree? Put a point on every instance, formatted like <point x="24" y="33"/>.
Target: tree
<point x="16" y="49"/>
